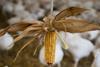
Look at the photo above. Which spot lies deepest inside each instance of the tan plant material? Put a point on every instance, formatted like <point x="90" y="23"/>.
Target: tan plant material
<point x="75" y="26"/>
<point x="72" y="11"/>
<point x="51" y="24"/>
<point x="3" y="31"/>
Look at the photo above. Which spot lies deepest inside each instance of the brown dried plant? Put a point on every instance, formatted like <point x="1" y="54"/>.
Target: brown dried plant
<point x="50" y="23"/>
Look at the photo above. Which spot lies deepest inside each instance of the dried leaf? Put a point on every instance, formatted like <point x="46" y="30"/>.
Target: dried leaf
<point x="26" y="32"/>
<point x="22" y="26"/>
<point x="74" y="26"/>
<point x="71" y="11"/>
<point x="3" y="31"/>
<point x="25" y="46"/>
<point x="18" y="27"/>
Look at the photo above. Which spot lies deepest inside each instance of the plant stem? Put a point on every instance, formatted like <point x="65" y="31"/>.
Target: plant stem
<point x="51" y="11"/>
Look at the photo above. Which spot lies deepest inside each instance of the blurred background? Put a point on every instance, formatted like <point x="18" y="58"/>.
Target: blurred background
<point x="13" y="11"/>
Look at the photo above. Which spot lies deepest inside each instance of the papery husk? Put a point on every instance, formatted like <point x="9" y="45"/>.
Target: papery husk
<point x="71" y="11"/>
<point x="75" y="26"/>
<point x="3" y="31"/>
<point x="18" y="27"/>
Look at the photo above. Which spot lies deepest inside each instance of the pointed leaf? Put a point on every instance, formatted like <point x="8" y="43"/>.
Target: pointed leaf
<point x="71" y="11"/>
<point x="18" y="27"/>
<point x="73" y="25"/>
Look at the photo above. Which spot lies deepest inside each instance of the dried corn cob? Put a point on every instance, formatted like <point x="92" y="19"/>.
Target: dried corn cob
<point x="50" y="44"/>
